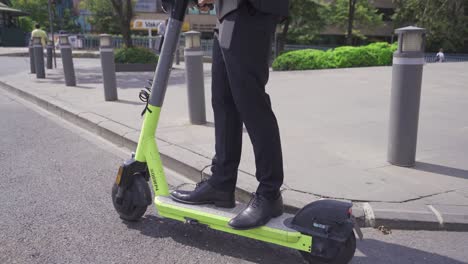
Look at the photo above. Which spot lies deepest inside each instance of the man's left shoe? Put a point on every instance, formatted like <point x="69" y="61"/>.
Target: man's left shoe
<point x="259" y="211"/>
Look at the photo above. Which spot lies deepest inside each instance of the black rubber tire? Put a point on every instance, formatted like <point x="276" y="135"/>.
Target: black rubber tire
<point x="139" y="186"/>
<point x="343" y="257"/>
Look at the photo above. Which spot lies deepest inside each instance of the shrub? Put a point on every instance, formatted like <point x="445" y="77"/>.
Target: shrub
<point x="346" y="57"/>
<point x="383" y="51"/>
<point x="375" y="54"/>
<point x="298" y="60"/>
<point x="135" y="55"/>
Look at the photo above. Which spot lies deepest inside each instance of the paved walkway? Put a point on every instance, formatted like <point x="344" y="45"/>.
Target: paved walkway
<point x="23" y="52"/>
<point x="334" y="133"/>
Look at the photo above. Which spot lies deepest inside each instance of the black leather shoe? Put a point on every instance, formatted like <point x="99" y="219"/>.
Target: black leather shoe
<point x="204" y="193"/>
<point x="257" y="213"/>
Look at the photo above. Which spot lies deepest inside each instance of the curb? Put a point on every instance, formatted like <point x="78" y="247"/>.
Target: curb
<point x="406" y="216"/>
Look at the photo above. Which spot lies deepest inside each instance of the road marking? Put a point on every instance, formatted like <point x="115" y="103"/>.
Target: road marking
<point x="438" y="215"/>
<point x="369" y="214"/>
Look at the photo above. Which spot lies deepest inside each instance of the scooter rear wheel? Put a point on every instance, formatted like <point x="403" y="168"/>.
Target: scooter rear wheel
<point x="128" y="210"/>
<point x="343" y="257"/>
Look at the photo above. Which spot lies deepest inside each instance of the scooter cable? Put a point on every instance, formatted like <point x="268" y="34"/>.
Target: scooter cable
<point x="144" y="96"/>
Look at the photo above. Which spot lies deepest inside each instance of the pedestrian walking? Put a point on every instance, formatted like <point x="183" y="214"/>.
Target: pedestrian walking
<point x="38" y="32"/>
<point x="161" y="33"/>
<point x="440" y="57"/>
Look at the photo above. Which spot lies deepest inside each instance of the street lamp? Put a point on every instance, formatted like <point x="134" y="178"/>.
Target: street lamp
<point x="105" y="40"/>
<point x="37" y="41"/>
<point x="194" y="78"/>
<point x="408" y="62"/>
<point x="192" y="39"/>
<point x="63" y="40"/>
<point x="411" y="39"/>
<point x="108" y="67"/>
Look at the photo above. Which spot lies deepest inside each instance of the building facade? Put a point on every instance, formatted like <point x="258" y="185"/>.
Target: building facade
<point x="10" y="32"/>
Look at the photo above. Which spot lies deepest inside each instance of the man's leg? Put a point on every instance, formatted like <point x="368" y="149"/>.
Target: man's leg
<point x="246" y="55"/>
<point x="228" y="126"/>
<point x="247" y="58"/>
<point x="219" y="189"/>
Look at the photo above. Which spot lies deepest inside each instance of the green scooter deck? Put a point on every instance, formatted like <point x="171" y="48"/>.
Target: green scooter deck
<point x="275" y="231"/>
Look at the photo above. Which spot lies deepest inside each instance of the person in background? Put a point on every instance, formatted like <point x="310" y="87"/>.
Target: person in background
<point x="440" y="57"/>
<point x="161" y="32"/>
<point x="162" y="28"/>
<point x="38" y="32"/>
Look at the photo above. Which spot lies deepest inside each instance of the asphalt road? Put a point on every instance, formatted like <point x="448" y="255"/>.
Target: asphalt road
<point x="55" y="207"/>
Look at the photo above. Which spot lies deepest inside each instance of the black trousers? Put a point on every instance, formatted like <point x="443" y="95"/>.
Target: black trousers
<point x="240" y="70"/>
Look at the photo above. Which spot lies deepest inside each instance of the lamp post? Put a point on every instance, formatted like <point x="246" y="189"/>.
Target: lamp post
<point x="49" y="48"/>
<point x="408" y="63"/>
<point x="67" y="60"/>
<point x="194" y="77"/>
<point x="39" y="57"/>
<point x="32" y="63"/>
<point x="49" y="8"/>
<point x="108" y="67"/>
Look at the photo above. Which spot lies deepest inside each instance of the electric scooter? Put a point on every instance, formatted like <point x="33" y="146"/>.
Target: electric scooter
<point x="323" y="231"/>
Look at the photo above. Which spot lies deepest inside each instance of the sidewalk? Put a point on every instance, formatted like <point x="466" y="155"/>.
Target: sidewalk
<point x="24" y="52"/>
<point x="334" y="133"/>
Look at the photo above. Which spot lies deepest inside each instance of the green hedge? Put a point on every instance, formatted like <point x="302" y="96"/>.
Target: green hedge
<point x="135" y="55"/>
<point x="376" y="54"/>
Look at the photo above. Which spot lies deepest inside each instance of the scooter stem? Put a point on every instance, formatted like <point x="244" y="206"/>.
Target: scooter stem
<point x="166" y="57"/>
<point x="147" y="150"/>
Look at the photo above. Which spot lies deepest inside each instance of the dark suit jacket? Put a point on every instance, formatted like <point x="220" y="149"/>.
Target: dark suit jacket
<point x="276" y="7"/>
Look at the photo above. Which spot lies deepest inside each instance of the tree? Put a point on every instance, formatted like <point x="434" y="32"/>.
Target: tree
<point x="124" y="10"/>
<point x="103" y="18"/>
<point x="106" y="20"/>
<point x="39" y="13"/>
<point x="446" y="21"/>
<point x="353" y="15"/>
<point x="37" y="10"/>
<point x="306" y="19"/>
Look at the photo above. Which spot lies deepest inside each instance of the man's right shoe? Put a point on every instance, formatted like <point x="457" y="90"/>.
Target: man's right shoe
<point x="204" y="193"/>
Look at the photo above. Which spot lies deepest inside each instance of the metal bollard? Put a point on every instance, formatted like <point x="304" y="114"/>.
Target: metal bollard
<point x="39" y="58"/>
<point x="194" y="76"/>
<point x="67" y="61"/>
<point x="108" y="67"/>
<point x="50" y="46"/>
<point x="32" y="63"/>
<point x="177" y="58"/>
<point x="408" y="63"/>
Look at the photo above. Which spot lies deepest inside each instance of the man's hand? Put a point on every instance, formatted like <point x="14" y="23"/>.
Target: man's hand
<point x="203" y="5"/>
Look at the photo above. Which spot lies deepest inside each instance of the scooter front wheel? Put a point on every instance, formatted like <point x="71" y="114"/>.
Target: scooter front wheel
<point x="132" y="206"/>
<point x="344" y="255"/>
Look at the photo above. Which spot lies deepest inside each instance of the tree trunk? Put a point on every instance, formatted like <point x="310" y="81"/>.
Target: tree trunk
<point x="128" y="13"/>
<point x="127" y="38"/>
<point x="124" y="11"/>
<point x="284" y="36"/>
<point x="349" y="34"/>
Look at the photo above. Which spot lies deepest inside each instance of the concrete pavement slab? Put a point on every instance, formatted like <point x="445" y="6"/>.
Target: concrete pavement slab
<point x="404" y="216"/>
